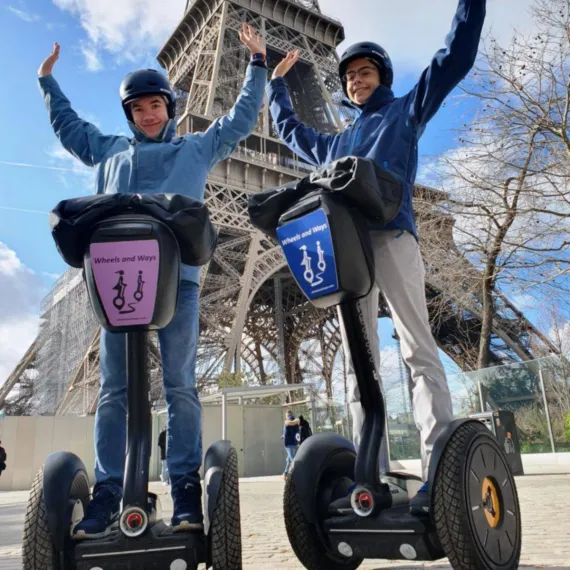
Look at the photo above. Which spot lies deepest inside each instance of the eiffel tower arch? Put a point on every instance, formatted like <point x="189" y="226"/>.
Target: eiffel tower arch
<point x="253" y="317"/>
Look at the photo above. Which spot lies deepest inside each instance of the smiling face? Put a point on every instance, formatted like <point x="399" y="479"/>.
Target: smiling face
<point x="362" y="79"/>
<point x="150" y="114"/>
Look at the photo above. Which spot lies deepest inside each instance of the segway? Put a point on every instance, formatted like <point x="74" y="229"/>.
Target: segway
<point x="125" y="251"/>
<point x="474" y="518"/>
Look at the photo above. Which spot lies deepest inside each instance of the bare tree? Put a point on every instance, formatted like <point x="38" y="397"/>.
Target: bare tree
<point x="509" y="181"/>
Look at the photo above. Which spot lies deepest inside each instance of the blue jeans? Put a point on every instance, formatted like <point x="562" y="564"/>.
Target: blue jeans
<point x="178" y="348"/>
<point x="164" y="476"/>
<point x="291" y="451"/>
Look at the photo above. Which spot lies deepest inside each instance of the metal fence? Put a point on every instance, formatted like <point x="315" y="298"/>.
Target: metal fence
<point x="536" y="391"/>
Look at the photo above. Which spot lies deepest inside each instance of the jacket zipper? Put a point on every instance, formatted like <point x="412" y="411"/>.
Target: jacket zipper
<point x="355" y="129"/>
<point x="135" y="161"/>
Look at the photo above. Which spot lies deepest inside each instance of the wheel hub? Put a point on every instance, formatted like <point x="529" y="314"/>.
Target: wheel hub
<point x="491" y="502"/>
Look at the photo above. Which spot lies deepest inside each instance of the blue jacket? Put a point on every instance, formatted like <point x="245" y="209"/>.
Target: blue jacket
<point x="387" y="129"/>
<point x="290" y="434"/>
<point x="178" y="165"/>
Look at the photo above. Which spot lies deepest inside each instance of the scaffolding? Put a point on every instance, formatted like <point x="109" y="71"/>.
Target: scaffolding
<point x="67" y="327"/>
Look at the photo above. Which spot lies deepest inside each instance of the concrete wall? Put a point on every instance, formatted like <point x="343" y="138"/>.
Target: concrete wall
<point x="255" y="432"/>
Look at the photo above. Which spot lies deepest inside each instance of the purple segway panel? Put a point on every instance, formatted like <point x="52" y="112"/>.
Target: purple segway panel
<point x="126" y="277"/>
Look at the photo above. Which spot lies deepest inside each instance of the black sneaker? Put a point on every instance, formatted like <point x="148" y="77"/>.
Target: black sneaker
<point x="187" y="498"/>
<point x="101" y="512"/>
<point x="420" y="504"/>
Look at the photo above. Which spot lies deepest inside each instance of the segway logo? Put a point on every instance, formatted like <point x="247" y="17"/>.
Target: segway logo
<point x="308" y="248"/>
<point x="126" y="276"/>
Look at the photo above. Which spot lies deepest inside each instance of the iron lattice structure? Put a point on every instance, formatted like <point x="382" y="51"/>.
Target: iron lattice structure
<point x="253" y="317"/>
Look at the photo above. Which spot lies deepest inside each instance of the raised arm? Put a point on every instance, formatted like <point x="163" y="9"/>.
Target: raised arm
<point x="450" y="65"/>
<point x="227" y="131"/>
<point x="305" y="141"/>
<point x="82" y="139"/>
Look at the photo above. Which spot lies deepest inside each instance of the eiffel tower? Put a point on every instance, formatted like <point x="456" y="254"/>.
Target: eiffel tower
<point x="253" y="317"/>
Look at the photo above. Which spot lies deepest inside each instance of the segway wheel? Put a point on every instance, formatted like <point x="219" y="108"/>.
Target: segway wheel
<point x="225" y="530"/>
<point x="38" y="551"/>
<point x="307" y="540"/>
<point x="475" y="503"/>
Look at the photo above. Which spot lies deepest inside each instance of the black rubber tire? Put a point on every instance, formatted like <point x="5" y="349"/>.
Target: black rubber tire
<point x="225" y="530"/>
<point x="305" y="538"/>
<point x="38" y="552"/>
<point x="451" y="503"/>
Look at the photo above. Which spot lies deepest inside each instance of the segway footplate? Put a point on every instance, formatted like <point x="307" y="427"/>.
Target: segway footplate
<point x="393" y="534"/>
<point x="156" y="549"/>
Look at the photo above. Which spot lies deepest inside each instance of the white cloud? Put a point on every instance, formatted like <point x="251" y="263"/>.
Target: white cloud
<point x="128" y="29"/>
<point x="51" y="26"/>
<point x="22" y="14"/>
<point x="413" y="30"/>
<point x="21" y="291"/>
<point x="92" y="58"/>
<point x="9" y="262"/>
<point x="16" y="336"/>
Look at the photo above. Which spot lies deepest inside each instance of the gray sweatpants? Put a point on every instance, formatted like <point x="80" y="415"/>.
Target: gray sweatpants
<point x="400" y="275"/>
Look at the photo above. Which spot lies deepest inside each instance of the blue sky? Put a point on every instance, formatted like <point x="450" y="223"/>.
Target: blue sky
<point x="101" y="41"/>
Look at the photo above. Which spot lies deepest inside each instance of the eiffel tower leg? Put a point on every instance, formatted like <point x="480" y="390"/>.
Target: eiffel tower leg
<point x="242" y="306"/>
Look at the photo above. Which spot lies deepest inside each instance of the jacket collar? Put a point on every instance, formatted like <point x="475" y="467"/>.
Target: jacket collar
<point x="381" y="97"/>
<point x="166" y="135"/>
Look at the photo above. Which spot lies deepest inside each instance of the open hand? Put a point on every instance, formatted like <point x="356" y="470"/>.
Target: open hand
<point x="252" y="40"/>
<point x="286" y="64"/>
<point x="47" y="66"/>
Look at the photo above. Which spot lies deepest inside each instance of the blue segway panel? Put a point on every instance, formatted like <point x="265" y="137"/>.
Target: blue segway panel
<point x="308" y="247"/>
<point x="327" y="249"/>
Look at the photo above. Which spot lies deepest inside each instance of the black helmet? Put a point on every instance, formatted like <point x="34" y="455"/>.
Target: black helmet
<point x="146" y="82"/>
<point x="373" y="52"/>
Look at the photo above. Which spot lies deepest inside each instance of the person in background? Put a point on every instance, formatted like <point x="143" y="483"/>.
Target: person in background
<point x="3" y="456"/>
<point x="304" y="429"/>
<point x="290" y="432"/>
<point x="162" y="445"/>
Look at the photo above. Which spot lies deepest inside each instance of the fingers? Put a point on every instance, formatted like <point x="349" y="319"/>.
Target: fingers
<point x="248" y="33"/>
<point x="287" y="63"/>
<point x="293" y="56"/>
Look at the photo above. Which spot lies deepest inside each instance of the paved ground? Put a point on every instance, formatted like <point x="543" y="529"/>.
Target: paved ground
<point x="545" y="505"/>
